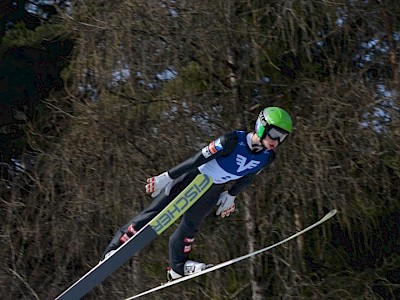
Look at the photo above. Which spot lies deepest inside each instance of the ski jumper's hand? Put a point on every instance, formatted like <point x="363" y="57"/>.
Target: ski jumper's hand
<point x="226" y="204"/>
<point x="156" y="184"/>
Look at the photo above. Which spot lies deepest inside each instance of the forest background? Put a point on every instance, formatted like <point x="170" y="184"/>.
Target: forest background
<point x="96" y="96"/>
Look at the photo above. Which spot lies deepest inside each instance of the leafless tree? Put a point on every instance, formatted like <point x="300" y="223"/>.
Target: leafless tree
<point x="151" y="82"/>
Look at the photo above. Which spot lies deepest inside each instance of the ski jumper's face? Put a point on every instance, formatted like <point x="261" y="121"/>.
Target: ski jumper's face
<point x="269" y="143"/>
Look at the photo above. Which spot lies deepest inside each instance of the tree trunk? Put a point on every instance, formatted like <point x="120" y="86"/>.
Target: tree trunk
<point x="255" y="266"/>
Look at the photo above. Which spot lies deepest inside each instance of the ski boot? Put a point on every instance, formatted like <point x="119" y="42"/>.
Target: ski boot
<point x="118" y="241"/>
<point x="190" y="267"/>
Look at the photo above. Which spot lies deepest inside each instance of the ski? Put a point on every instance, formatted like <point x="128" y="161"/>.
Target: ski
<point x="176" y="208"/>
<point x="235" y="260"/>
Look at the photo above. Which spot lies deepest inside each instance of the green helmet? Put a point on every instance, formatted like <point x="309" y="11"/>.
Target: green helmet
<point x="273" y="118"/>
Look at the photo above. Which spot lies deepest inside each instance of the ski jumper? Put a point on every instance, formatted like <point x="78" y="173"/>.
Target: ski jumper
<point x="228" y="158"/>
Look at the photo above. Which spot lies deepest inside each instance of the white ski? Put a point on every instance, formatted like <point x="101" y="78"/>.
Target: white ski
<point x="235" y="260"/>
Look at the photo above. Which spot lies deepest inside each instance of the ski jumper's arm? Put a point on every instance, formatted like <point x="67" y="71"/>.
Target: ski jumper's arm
<point x="228" y="143"/>
<point x="241" y="183"/>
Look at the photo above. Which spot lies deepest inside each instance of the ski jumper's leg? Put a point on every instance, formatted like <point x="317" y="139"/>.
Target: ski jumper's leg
<point x="181" y="240"/>
<point x="157" y="205"/>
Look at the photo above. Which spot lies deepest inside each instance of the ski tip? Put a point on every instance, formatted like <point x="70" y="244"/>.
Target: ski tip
<point x="330" y="214"/>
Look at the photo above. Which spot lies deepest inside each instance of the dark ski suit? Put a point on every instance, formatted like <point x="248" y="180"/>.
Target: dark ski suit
<point x="228" y="158"/>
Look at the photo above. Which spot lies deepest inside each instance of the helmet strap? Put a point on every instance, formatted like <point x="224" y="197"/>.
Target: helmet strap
<point x="257" y="145"/>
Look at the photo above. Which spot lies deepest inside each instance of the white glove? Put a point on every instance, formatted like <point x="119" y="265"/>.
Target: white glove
<point x="226" y="204"/>
<point x="156" y="184"/>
